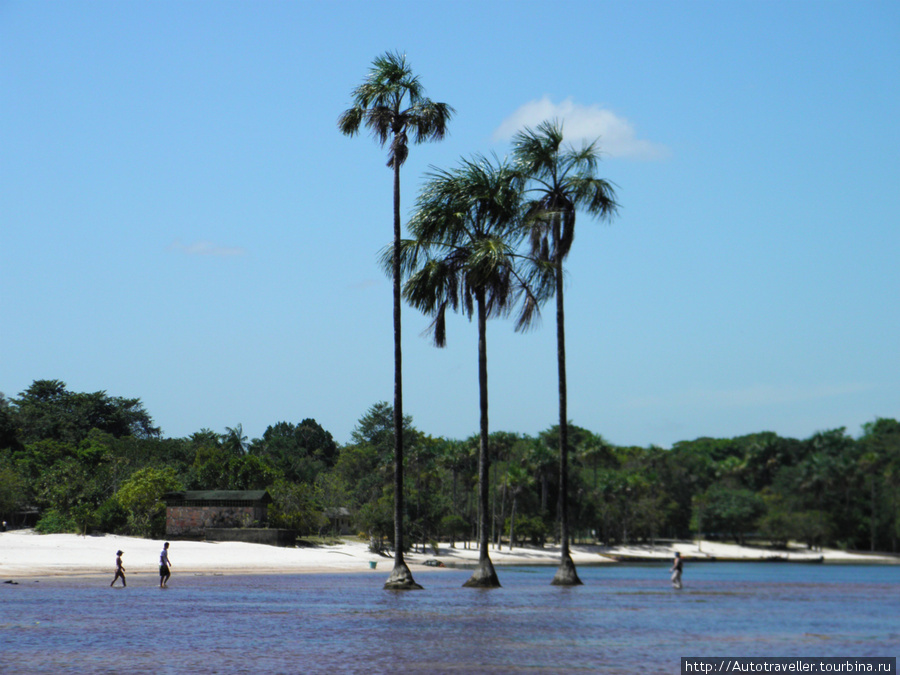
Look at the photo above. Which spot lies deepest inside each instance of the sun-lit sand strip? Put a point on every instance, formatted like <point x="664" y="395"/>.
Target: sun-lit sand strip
<point x="25" y="554"/>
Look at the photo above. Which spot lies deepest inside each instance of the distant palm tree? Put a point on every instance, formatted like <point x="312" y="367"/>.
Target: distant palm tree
<point x="518" y="479"/>
<point x="562" y="180"/>
<point x="466" y="228"/>
<point x="391" y="103"/>
<point x="234" y="440"/>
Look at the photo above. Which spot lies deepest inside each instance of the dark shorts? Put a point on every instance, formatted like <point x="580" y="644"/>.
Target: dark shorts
<point x="163" y="570"/>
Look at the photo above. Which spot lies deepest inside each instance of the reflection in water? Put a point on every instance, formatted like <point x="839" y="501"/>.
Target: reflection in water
<point x="625" y="619"/>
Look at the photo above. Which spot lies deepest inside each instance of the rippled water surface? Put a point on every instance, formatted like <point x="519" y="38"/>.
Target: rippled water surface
<point x="625" y="619"/>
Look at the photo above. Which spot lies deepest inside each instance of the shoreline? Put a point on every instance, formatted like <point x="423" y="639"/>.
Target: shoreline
<point x="25" y="554"/>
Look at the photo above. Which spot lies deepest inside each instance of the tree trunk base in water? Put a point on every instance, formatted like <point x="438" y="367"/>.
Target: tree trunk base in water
<point x="566" y="574"/>
<point x="484" y="576"/>
<point x="401" y="580"/>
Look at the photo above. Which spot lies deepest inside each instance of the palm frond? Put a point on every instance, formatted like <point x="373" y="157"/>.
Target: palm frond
<point x="350" y="120"/>
<point x="398" y="151"/>
<point x="380" y="122"/>
<point x="439" y="326"/>
<point x="428" y="120"/>
<point x="529" y="314"/>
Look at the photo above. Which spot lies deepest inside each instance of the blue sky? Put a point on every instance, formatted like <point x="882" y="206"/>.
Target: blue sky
<point x="182" y="222"/>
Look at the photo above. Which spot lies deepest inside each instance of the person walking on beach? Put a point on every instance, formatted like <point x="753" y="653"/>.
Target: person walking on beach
<point x="677" y="566"/>
<point x="164" y="564"/>
<point x="120" y="571"/>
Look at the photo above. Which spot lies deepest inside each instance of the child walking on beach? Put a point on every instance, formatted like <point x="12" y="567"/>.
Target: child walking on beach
<point x="120" y="571"/>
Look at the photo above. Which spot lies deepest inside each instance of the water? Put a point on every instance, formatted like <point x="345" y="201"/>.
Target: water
<point x="626" y="619"/>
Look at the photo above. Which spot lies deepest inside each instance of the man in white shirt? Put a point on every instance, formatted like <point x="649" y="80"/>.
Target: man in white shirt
<point x="164" y="564"/>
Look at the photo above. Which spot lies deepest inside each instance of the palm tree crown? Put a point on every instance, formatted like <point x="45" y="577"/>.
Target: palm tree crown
<point x="563" y="181"/>
<point x="466" y="230"/>
<point x="378" y="104"/>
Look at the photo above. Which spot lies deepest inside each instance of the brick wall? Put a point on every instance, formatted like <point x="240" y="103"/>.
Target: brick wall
<point x="192" y="521"/>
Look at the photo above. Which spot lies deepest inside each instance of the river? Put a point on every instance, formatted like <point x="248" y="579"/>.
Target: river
<point x="625" y="619"/>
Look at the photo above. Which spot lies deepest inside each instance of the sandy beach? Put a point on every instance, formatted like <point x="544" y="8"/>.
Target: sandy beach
<point x="26" y="554"/>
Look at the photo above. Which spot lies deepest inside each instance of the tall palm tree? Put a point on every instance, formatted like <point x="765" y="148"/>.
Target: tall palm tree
<point x="562" y="181"/>
<point x="391" y="103"/>
<point x="466" y="229"/>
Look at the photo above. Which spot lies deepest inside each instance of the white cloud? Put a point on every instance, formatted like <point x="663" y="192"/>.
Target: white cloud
<point x="617" y="135"/>
<point x="206" y="248"/>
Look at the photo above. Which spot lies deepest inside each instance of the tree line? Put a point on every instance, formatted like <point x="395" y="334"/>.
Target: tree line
<point x="92" y="462"/>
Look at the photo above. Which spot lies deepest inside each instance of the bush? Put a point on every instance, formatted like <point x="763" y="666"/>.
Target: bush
<point x="112" y="517"/>
<point x="532" y="528"/>
<point x="54" y="522"/>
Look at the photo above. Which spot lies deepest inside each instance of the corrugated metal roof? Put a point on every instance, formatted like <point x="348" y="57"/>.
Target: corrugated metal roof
<point x="219" y="495"/>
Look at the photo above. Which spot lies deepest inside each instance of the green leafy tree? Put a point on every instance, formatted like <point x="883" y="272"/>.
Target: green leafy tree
<point x="66" y="485"/>
<point x="361" y="473"/>
<point x="296" y="507"/>
<point x="12" y="489"/>
<point x="463" y="257"/>
<point x="563" y="181"/>
<point x="8" y="437"/>
<point x="365" y="464"/>
<point x="880" y="464"/>
<point x="728" y="510"/>
<point x="391" y="103"/>
<point x="206" y="438"/>
<point x="220" y="469"/>
<point x="47" y="410"/>
<point x="142" y="496"/>
<point x="375" y="518"/>
<point x="301" y="452"/>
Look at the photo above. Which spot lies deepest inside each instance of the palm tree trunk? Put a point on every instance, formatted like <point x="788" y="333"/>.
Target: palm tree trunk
<point x="484" y="576"/>
<point x="565" y="573"/>
<point x="401" y="578"/>
<point x="512" y="520"/>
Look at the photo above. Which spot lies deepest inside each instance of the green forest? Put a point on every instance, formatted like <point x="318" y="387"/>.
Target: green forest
<point x="90" y="462"/>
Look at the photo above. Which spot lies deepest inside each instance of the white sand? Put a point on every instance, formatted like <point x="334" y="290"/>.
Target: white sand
<point x="23" y="554"/>
<point x="707" y="550"/>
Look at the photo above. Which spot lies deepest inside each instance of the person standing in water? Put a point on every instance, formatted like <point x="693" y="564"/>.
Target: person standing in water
<point x="677" y="566"/>
<point x="164" y="564"/>
<point x="120" y="571"/>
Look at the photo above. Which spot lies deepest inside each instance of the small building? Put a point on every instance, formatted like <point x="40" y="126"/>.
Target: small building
<point x="191" y="513"/>
<point x="339" y="520"/>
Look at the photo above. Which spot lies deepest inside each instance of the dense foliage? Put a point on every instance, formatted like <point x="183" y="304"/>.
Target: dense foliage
<point x="83" y="462"/>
